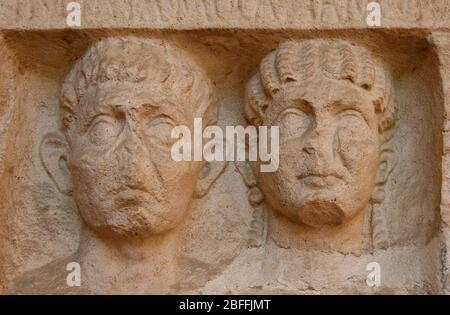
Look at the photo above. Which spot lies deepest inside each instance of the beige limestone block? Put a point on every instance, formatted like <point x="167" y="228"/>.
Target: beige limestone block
<point x="87" y="175"/>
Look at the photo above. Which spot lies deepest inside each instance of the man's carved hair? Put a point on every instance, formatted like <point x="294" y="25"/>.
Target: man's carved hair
<point x="133" y="59"/>
<point x="299" y="62"/>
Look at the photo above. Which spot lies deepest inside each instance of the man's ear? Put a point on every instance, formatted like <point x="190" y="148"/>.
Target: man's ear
<point x="387" y="163"/>
<point x="210" y="173"/>
<point x="53" y="154"/>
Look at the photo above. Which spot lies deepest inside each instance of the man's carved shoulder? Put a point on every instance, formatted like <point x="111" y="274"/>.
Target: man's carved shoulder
<point x="50" y="279"/>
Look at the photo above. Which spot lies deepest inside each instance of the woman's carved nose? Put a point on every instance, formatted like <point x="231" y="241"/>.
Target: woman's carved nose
<point x="309" y="150"/>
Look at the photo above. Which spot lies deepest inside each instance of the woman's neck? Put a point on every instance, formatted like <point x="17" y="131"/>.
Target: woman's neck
<point x="351" y="237"/>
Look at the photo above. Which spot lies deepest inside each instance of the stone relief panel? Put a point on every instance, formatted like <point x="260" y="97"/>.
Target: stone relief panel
<point x="336" y="109"/>
<point x="89" y="177"/>
<point x="312" y="217"/>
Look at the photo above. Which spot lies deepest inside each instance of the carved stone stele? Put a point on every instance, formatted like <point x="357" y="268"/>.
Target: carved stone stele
<point x="87" y="176"/>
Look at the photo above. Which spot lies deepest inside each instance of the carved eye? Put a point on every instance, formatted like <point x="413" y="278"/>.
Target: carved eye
<point x="351" y="112"/>
<point x="293" y="122"/>
<point x="350" y="118"/>
<point x="103" y="130"/>
<point x="158" y="132"/>
<point x="351" y="127"/>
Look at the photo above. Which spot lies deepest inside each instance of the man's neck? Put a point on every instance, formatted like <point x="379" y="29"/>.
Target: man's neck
<point x="143" y="266"/>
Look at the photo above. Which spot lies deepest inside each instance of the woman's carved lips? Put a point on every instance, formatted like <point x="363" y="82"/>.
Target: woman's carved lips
<point x="320" y="181"/>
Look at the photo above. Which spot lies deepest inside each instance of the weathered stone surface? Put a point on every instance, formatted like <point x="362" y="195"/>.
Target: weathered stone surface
<point x="87" y="174"/>
<point x="193" y="14"/>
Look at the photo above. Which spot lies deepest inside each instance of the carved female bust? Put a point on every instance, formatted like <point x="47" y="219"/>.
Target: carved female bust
<point x="334" y="106"/>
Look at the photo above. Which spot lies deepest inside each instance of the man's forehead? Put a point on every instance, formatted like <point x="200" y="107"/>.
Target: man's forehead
<point x="130" y="94"/>
<point x="134" y="95"/>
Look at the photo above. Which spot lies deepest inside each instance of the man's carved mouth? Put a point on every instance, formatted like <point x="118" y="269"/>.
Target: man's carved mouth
<point x="132" y="197"/>
<point x="135" y="187"/>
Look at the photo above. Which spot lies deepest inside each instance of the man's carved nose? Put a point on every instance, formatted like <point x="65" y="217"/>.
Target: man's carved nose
<point x="132" y="171"/>
<point x="131" y="154"/>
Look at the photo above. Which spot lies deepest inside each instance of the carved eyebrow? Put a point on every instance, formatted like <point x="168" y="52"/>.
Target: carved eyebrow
<point x="90" y="112"/>
<point x="112" y="105"/>
<point x="149" y="104"/>
<point x="115" y="105"/>
<point x="99" y="110"/>
<point x="107" y="108"/>
<point x="163" y="107"/>
<point x="304" y="105"/>
<point x="298" y="103"/>
<point x="343" y="104"/>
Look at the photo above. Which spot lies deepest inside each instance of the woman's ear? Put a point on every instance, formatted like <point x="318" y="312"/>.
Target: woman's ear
<point x="53" y="153"/>
<point x="387" y="164"/>
<point x="380" y="233"/>
<point x="388" y="160"/>
<point x="210" y="172"/>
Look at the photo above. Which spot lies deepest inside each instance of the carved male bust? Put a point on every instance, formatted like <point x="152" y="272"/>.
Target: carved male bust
<point x="334" y="106"/>
<point x="119" y="104"/>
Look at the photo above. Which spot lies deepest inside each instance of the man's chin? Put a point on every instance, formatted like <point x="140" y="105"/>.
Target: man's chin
<point x="134" y="231"/>
<point x="135" y="222"/>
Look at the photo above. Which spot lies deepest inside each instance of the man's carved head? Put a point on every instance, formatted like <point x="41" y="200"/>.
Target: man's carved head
<point x="119" y="104"/>
<point x="334" y="106"/>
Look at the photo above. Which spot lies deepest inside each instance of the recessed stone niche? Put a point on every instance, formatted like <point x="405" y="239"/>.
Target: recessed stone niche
<point x="364" y="181"/>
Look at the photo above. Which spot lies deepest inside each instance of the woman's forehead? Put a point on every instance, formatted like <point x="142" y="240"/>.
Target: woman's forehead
<point x="320" y="93"/>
